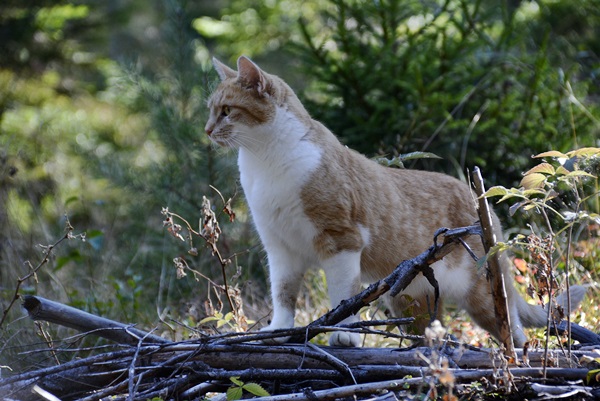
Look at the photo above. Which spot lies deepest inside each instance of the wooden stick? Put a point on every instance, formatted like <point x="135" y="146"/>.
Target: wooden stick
<point x="40" y="308"/>
<point x="495" y="275"/>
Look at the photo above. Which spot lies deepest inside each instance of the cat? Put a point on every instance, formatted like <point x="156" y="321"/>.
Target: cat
<point x="317" y="203"/>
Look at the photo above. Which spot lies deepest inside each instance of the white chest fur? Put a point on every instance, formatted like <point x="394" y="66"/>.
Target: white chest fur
<point x="273" y="173"/>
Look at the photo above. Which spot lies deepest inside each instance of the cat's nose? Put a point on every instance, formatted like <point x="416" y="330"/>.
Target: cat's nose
<point x="208" y="130"/>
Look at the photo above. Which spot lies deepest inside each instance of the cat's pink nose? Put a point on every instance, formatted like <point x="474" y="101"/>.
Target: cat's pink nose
<point x="209" y="130"/>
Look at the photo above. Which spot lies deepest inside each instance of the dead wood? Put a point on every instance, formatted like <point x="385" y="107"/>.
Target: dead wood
<point x="495" y="274"/>
<point x="177" y="367"/>
<point x="147" y="366"/>
<point x="40" y="308"/>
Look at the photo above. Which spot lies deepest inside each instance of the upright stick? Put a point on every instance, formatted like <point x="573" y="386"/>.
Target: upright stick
<point x="495" y="274"/>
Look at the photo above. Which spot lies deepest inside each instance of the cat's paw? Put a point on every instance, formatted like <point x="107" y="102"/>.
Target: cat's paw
<point x="274" y="340"/>
<point x="344" y="339"/>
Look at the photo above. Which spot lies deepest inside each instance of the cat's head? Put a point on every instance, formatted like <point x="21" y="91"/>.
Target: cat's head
<point x="245" y="101"/>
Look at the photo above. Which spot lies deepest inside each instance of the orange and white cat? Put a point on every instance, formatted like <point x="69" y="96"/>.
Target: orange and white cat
<point x="317" y="203"/>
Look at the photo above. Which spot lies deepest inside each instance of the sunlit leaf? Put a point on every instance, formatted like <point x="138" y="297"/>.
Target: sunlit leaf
<point x="495" y="191"/>
<point x="236" y="380"/>
<point x="579" y="173"/>
<point x="234" y="393"/>
<point x="552" y="153"/>
<point x="534" y="180"/>
<point x="256" y="389"/>
<point x="418" y="155"/>
<point x="593" y="376"/>
<point x="208" y="319"/>
<point x="584" y="152"/>
<point x="398" y="161"/>
<point x="210" y="27"/>
<point x="543" y="168"/>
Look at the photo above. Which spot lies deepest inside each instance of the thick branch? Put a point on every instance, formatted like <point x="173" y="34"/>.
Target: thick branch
<point x="179" y="366"/>
<point x="43" y="309"/>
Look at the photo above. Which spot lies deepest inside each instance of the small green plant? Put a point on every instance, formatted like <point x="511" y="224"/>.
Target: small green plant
<point x="560" y="198"/>
<point x="236" y="391"/>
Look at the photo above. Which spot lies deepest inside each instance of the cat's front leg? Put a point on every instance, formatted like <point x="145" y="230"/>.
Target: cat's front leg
<point x="286" y="272"/>
<point x="343" y="281"/>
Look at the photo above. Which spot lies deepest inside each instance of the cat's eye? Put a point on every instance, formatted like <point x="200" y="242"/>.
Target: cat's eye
<point x="225" y="111"/>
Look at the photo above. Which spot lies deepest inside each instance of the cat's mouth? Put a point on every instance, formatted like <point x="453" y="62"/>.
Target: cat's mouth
<point x="221" y="140"/>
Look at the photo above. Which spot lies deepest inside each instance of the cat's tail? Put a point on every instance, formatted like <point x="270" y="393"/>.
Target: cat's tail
<point x="536" y="316"/>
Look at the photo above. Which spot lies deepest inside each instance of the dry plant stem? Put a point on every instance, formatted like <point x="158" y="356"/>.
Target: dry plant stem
<point x="495" y="275"/>
<point x="549" y="284"/>
<point x="47" y="252"/>
<point x="215" y="251"/>
<point x="568" y="279"/>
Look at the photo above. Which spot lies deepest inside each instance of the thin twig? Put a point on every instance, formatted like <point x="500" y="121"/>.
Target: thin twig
<point x="33" y="272"/>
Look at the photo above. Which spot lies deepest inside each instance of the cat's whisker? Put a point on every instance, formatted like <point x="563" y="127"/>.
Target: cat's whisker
<point x="249" y="139"/>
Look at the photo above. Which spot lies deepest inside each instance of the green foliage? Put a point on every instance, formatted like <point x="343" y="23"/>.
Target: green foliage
<point x="235" y="392"/>
<point x="254" y="27"/>
<point x="399" y="161"/>
<point x="474" y="82"/>
<point x="560" y="199"/>
<point x="108" y="145"/>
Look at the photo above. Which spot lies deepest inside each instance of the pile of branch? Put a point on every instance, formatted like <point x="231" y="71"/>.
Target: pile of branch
<point x="147" y="366"/>
<point x="144" y="366"/>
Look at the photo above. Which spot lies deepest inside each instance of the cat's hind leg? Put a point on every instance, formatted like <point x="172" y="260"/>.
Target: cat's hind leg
<point x="343" y="281"/>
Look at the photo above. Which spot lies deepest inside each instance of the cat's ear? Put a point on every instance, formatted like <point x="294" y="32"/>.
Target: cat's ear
<point x="250" y="76"/>
<point x="223" y="71"/>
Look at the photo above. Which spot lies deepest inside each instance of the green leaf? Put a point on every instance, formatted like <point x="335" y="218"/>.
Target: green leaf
<point x="584" y="152"/>
<point x="216" y="316"/>
<point x="579" y="173"/>
<point x="543" y="168"/>
<point x="234" y="393"/>
<point x="552" y="153"/>
<point x="256" y="389"/>
<point x="393" y="162"/>
<point x="495" y="191"/>
<point x="593" y="377"/>
<point x="95" y="238"/>
<point x="419" y="155"/>
<point x="532" y="181"/>
<point x="529" y="193"/>
<point x="71" y="200"/>
<point x="210" y="27"/>
<point x="236" y="380"/>
<point x="398" y="161"/>
<point x="73" y="256"/>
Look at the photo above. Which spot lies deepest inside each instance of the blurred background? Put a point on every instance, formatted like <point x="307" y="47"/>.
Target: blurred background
<point x="103" y="104"/>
